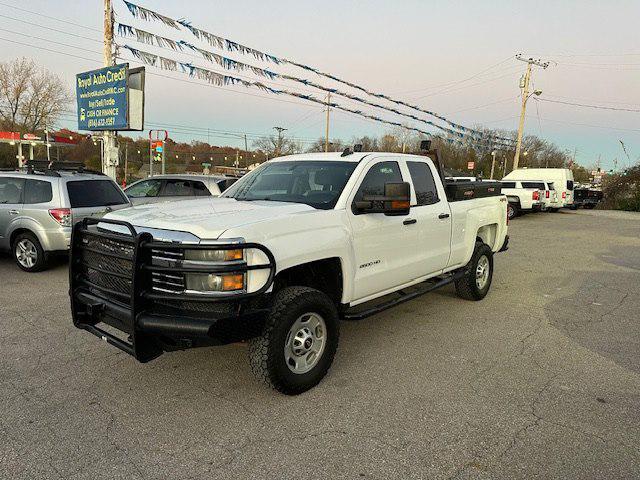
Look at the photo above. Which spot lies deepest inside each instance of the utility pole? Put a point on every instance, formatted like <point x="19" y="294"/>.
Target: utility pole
<point x="524" y="85"/>
<point x="326" y="140"/>
<point x="404" y="140"/>
<point x="493" y="163"/>
<point x="246" y="148"/>
<point x="110" y="149"/>
<point x="279" y="145"/>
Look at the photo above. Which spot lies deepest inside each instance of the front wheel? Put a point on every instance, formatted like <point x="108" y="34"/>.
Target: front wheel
<point x="28" y="253"/>
<point x="475" y="283"/>
<point x="298" y="342"/>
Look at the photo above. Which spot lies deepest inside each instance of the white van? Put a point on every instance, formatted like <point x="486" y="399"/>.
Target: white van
<point x="562" y="179"/>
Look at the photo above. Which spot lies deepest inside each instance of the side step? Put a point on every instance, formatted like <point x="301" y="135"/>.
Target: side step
<point x="396" y="298"/>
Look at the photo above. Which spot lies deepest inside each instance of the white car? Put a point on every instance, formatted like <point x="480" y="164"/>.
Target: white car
<point x="168" y="188"/>
<point x="280" y="257"/>
<point x="562" y="179"/>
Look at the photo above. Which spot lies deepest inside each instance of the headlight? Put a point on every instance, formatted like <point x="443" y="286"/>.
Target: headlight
<point x="213" y="255"/>
<point x="213" y="282"/>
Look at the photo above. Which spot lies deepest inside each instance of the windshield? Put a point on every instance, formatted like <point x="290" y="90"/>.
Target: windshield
<point x="317" y="184"/>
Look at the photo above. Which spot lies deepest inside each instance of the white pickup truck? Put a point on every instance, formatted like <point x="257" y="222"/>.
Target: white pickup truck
<point x="291" y="248"/>
<point x="523" y="196"/>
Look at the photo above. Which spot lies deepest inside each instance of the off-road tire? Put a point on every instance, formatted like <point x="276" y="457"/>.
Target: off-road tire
<point x="41" y="256"/>
<point x="266" y="352"/>
<point x="466" y="286"/>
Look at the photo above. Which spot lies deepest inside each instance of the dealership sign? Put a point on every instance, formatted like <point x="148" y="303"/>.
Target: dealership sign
<point x="111" y="98"/>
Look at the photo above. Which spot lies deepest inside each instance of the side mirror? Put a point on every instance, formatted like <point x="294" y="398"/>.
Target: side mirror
<point x="396" y="200"/>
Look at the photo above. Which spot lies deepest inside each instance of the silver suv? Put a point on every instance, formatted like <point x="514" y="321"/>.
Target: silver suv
<point x="37" y="211"/>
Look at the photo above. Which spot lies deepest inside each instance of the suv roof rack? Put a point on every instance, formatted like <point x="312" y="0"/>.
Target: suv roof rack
<point x="54" y="168"/>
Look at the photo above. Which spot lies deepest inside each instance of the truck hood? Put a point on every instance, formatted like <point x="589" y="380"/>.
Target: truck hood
<point x="206" y="218"/>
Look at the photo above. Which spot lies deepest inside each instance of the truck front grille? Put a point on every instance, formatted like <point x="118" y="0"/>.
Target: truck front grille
<point x="107" y="264"/>
<point x="163" y="282"/>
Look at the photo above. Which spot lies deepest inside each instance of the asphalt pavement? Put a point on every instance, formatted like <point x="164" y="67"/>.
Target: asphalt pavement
<point x="539" y="380"/>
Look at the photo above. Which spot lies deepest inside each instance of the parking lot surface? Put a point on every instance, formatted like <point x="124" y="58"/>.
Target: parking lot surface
<point x="541" y="379"/>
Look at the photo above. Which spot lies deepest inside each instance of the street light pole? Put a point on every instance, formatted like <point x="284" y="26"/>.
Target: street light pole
<point x="525" y="96"/>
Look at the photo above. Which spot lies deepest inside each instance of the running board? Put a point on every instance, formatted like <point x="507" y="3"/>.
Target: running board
<point x="425" y="287"/>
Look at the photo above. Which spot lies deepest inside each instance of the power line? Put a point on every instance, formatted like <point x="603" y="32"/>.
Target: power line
<point x="40" y="14"/>
<point x="51" y="28"/>
<point x="599" y="107"/>
<point x="459" y="81"/>
<point x="47" y="40"/>
<point x="49" y="50"/>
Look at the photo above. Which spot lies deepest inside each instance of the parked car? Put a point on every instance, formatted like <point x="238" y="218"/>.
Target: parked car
<point x="562" y="179"/>
<point x="164" y="188"/>
<point x="586" y="197"/>
<point x="284" y="253"/>
<point x="37" y="211"/>
<point x="523" y="197"/>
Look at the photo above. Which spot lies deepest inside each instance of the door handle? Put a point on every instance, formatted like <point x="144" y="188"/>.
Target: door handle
<point x="442" y="216"/>
<point x="13" y="212"/>
<point x="410" y="221"/>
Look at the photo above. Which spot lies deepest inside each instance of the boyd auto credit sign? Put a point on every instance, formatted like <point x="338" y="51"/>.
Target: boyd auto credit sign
<point x="102" y="98"/>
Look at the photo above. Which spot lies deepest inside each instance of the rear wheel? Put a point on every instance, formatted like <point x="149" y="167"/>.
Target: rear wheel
<point x="513" y="210"/>
<point x="28" y="253"/>
<point x="475" y="283"/>
<point x="299" y="341"/>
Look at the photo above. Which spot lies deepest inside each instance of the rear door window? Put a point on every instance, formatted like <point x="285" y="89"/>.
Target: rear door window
<point x="508" y="184"/>
<point x="423" y="183"/>
<point x="37" y="191"/>
<point x="94" y="193"/>
<point x="200" y="190"/>
<point x="11" y="190"/>
<point x="536" y="185"/>
<point x="177" y="188"/>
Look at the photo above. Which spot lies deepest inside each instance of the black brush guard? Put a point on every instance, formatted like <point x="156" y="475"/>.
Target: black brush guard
<point x="110" y="278"/>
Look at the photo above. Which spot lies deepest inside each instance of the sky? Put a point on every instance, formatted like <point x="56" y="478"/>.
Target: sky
<point x="456" y="58"/>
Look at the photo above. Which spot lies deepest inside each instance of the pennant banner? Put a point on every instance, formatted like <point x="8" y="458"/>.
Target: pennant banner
<point x="220" y="80"/>
<point x="229" y="45"/>
<point x="230" y="64"/>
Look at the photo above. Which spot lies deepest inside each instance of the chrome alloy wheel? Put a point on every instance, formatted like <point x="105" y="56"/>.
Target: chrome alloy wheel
<point x="305" y="343"/>
<point x="26" y="253"/>
<point x="482" y="272"/>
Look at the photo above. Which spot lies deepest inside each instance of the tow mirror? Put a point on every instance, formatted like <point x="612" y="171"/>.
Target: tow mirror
<point x="395" y="201"/>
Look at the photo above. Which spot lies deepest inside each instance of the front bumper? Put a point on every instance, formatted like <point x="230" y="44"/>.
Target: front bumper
<point x="115" y="295"/>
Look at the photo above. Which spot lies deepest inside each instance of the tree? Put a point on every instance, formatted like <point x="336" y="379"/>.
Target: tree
<point x="272" y="146"/>
<point x="31" y="98"/>
<point x="335" y="145"/>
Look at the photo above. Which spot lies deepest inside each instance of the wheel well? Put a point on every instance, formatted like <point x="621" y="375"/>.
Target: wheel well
<point x="515" y="200"/>
<point x="324" y="275"/>
<point x="17" y="232"/>
<point x="487" y="234"/>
